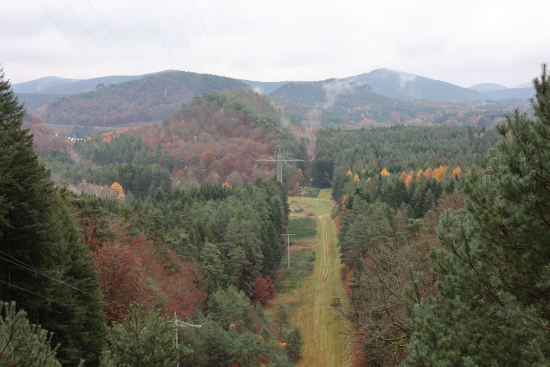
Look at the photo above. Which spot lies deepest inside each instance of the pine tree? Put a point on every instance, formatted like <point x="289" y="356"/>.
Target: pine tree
<point x="211" y="260"/>
<point x="37" y="229"/>
<point x="23" y="344"/>
<point x="144" y="341"/>
<point x="294" y="343"/>
<point x="281" y="317"/>
<point x="494" y="269"/>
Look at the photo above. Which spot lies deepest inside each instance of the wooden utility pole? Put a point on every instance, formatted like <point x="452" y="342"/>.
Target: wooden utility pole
<point x="288" y="246"/>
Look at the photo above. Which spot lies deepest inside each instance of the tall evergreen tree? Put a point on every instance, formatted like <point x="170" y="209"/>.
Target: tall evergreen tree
<point x="494" y="269"/>
<point x="36" y="229"/>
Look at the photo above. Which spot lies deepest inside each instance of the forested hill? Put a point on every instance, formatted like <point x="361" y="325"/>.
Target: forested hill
<point x="214" y="138"/>
<point x="43" y="136"/>
<point x="353" y="106"/>
<point x="138" y="101"/>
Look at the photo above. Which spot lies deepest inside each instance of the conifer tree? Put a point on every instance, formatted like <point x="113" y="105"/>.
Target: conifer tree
<point x="37" y="229"/>
<point x="494" y="269"/>
<point x="294" y="342"/>
<point x="144" y="341"/>
<point x="23" y="344"/>
<point x="281" y="317"/>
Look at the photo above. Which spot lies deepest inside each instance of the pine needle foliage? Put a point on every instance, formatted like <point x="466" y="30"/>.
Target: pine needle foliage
<point x="494" y="269"/>
<point x="23" y="344"/>
<point x="37" y="229"/>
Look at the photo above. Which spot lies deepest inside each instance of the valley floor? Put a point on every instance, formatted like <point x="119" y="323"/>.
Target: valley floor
<point x="308" y="294"/>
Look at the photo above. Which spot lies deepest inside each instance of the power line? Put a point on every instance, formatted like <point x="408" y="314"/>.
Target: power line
<point x="51" y="299"/>
<point x="30" y="268"/>
<point x="208" y="37"/>
<point x="165" y="45"/>
<point x="238" y="43"/>
<point x="62" y="31"/>
<point x="188" y="45"/>
<point x="173" y="112"/>
<point x="120" y="44"/>
<point x="66" y="35"/>
<point x="176" y="33"/>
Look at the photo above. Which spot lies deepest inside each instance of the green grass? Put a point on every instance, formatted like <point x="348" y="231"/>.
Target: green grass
<point x="302" y="227"/>
<point x="299" y="268"/>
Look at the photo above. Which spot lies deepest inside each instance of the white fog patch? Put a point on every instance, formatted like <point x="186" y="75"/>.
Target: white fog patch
<point x="335" y="88"/>
<point x="405" y="78"/>
<point x="258" y="90"/>
<point x="284" y="121"/>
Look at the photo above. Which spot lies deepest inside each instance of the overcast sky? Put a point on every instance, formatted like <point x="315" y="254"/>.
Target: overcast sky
<point x="462" y="42"/>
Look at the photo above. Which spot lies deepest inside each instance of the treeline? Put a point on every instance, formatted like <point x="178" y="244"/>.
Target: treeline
<point x="100" y="275"/>
<point x="137" y="180"/>
<point x="397" y="149"/>
<point x="465" y="282"/>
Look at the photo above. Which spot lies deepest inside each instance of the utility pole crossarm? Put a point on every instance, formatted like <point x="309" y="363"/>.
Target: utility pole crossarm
<point x="185" y="324"/>
<point x="280" y="159"/>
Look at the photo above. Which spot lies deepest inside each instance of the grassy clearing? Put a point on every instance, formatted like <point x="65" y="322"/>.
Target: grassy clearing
<point x="302" y="227"/>
<point x="301" y="266"/>
<point x="309" y="304"/>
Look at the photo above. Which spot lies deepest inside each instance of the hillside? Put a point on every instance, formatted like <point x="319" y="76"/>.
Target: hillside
<point x="519" y="93"/>
<point x="215" y="138"/>
<point x="487" y="87"/>
<point x="405" y="86"/>
<point x="34" y="101"/>
<point x="44" y="137"/>
<point x="352" y="106"/>
<point x="266" y="87"/>
<point x="140" y="101"/>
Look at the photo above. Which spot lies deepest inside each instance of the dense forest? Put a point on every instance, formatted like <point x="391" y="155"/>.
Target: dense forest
<point x="442" y="233"/>
<point x="99" y="275"/>
<point x="215" y="138"/>
<point x="116" y="246"/>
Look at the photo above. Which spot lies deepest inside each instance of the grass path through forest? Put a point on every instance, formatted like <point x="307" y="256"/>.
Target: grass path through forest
<point x="309" y="301"/>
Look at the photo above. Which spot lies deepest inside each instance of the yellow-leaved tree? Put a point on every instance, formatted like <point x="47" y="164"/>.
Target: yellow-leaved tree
<point x="457" y="172"/>
<point x="384" y="173"/>
<point x="439" y="173"/>
<point x="117" y="191"/>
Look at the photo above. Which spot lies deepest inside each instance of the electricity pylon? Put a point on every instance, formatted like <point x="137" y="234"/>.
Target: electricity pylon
<point x="280" y="159"/>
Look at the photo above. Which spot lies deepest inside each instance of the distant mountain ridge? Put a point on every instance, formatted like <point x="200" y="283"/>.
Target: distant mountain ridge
<point x="405" y="86"/>
<point x="390" y="83"/>
<point x="140" y="101"/>
<point x="267" y="87"/>
<point x="518" y="93"/>
<point x="40" y="85"/>
<point x="487" y="87"/>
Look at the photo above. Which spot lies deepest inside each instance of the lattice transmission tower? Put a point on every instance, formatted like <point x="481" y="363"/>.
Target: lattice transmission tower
<point x="280" y="159"/>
